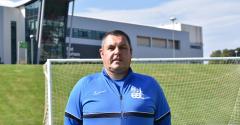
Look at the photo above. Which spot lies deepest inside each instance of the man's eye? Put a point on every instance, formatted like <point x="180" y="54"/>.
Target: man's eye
<point x="111" y="48"/>
<point x="123" y="47"/>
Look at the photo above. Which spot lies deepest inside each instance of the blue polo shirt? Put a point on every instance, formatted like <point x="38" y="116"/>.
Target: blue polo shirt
<point x="96" y="100"/>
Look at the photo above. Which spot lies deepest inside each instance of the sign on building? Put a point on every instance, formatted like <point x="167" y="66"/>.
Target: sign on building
<point x="23" y="44"/>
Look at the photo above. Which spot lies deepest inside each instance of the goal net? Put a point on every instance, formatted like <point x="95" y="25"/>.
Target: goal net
<point x="200" y="91"/>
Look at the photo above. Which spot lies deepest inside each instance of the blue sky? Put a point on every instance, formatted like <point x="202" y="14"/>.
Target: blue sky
<point x="220" y="19"/>
<point x="117" y="5"/>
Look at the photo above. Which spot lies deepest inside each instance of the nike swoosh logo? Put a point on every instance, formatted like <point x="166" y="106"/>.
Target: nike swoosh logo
<point x="99" y="92"/>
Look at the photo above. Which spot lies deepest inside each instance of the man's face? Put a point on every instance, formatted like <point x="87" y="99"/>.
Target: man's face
<point x="116" y="54"/>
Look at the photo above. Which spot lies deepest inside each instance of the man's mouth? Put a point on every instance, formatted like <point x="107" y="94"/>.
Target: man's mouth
<point x="116" y="60"/>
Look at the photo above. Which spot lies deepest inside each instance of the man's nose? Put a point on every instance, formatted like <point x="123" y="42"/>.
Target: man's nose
<point x="117" y="50"/>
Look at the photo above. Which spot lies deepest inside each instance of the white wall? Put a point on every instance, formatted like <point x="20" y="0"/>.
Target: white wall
<point x="195" y="33"/>
<point x="21" y="34"/>
<point x="1" y="33"/>
<point x="11" y="14"/>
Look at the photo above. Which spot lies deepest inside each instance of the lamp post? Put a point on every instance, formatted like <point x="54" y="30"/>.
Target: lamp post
<point x="70" y="33"/>
<point x="31" y="37"/>
<point x="236" y="52"/>
<point x="173" y="44"/>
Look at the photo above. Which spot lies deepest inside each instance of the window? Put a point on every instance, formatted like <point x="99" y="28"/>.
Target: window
<point x="75" y="33"/>
<point x="195" y="47"/>
<point x="170" y="44"/>
<point x="176" y="44"/>
<point x="143" y="41"/>
<point x="93" y="34"/>
<point x="86" y="34"/>
<point x="160" y="43"/>
<point x="100" y="35"/>
<point x="13" y="42"/>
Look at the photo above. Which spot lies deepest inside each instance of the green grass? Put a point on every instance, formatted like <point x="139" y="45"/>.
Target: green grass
<point x="197" y="94"/>
<point x="21" y="94"/>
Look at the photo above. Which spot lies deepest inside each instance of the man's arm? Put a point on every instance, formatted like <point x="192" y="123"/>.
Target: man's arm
<point x="165" y="120"/>
<point x="73" y="112"/>
<point x="163" y="112"/>
<point x="71" y="120"/>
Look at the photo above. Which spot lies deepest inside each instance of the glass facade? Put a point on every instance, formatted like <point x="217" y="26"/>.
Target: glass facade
<point x="53" y="28"/>
<point x="32" y="25"/>
<point x="86" y="34"/>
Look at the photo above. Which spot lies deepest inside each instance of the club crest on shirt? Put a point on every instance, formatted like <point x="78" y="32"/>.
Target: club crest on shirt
<point x="136" y="93"/>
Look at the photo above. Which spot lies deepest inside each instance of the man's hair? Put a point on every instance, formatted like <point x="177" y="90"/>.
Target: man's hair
<point x="117" y="33"/>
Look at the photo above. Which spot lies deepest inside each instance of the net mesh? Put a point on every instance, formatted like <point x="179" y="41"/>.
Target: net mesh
<point x="199" y="92"/>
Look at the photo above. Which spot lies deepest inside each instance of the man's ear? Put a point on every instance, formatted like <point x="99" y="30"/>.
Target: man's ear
<point x="101" y="52"/>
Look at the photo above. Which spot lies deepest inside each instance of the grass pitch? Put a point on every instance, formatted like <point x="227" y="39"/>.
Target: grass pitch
<point x="21" y="94"/>
<point x="198" y="94"/>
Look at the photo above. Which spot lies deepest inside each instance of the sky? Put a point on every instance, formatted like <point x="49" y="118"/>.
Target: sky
<point x="219" y="19"/>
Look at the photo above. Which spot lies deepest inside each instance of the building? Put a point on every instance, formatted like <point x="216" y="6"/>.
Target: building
<point x="10" y="32"/>
<point x="20" y="21"/>
<point x="147" y="42"/>
<point x="43" y="20"/>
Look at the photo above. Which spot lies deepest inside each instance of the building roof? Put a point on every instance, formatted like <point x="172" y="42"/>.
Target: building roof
<point x="13" y="3"/>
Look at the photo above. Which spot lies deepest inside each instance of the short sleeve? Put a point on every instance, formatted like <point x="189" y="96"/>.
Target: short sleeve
<point x="73" y="112"/>
<point x="162" y="107"/>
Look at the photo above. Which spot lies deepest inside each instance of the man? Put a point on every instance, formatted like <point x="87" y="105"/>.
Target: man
<point x="117" y="95"/>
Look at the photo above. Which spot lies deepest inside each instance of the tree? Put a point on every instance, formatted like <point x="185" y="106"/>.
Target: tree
<point x="217" y="53"/>
<point x="238" y="52"/>
<point x="224" y="53"/>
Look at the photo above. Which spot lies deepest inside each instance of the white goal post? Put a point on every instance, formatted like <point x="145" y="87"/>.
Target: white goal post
<point x="199" y="90"/>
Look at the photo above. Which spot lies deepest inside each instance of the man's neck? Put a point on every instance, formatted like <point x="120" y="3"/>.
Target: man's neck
<point x="117" y="75"/>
